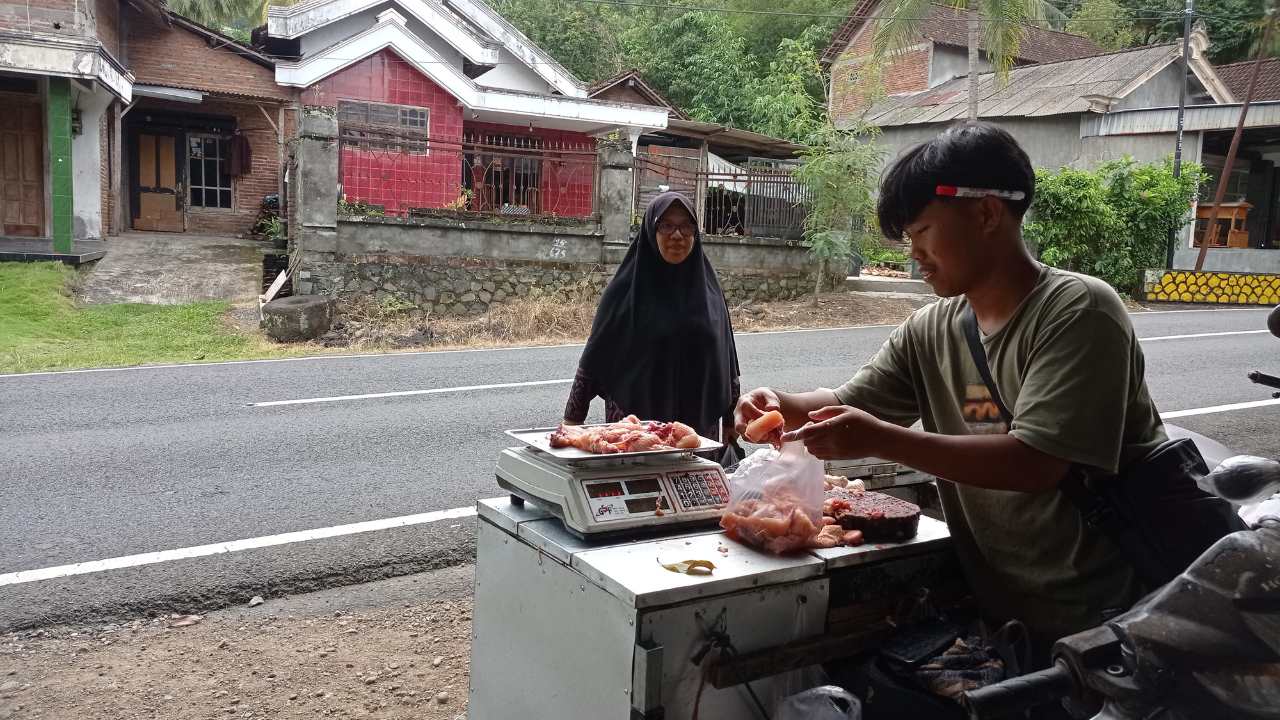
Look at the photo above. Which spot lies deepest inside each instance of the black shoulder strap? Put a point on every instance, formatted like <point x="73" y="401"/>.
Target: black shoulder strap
<point x="1096" y="510"/>
<point x="970" y="324"/>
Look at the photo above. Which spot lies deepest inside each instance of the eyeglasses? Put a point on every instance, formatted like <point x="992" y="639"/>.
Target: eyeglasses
<point x="669" y="228"/>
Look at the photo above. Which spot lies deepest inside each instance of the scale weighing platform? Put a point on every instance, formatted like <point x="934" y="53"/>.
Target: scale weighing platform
<point x="620" y="494"/>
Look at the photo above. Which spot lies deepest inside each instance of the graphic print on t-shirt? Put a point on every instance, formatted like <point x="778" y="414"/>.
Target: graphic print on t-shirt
<point x="981" y="414"/>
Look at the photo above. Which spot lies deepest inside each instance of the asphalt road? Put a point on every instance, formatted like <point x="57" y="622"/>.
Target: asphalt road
<point x="98" y="465"/>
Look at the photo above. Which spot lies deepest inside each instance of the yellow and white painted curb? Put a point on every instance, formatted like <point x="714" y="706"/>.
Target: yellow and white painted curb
<point x="1223" y="288"/>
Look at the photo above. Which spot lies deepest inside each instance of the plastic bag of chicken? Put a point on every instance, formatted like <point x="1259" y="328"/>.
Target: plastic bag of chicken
<point x="775" y="499"/>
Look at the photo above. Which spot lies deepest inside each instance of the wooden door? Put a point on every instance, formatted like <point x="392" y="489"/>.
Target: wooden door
<point x="158" y="190"/>
<point x="21" y="168"/>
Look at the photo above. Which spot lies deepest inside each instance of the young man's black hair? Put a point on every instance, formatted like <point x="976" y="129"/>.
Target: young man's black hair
<point x="973" y="155"/>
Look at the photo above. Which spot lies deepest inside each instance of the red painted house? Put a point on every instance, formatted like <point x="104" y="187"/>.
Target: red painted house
<point x="445" y="105"/>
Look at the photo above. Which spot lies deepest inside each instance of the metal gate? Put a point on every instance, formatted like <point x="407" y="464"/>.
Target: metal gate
<point x="757" y="202"/>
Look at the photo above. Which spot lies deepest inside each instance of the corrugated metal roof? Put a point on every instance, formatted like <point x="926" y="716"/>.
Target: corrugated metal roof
<point x="1165" y="120"/>
<point x="1059" y="88"/>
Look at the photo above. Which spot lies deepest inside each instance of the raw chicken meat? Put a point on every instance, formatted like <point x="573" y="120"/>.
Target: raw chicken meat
<point x="760" y="429"/>
<point x="777" y="524"/>
<point x="629" y="435"/>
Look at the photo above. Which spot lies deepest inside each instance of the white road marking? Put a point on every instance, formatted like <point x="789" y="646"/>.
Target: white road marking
<point x="536" y="383"/>
<point x="1218" y="409"/>
<point x="151" y="558"/>
<point x="128" y="561"/>
<point x="405" y="393"/>
<point x="1203" y="335"/>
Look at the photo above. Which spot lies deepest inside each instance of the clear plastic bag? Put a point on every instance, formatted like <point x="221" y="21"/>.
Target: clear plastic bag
<point x="821" y="703"/>
<point x="775" y="499"/>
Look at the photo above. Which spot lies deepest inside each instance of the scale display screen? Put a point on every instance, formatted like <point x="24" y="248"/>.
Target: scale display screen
<point x="606" y="489"/>
<point x="642" y="505"/>
<point x="626" y="497"/>
<point x="641" y="487"/>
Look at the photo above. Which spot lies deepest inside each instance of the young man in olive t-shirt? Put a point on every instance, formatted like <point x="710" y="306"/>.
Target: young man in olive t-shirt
<point x="1064" y="359"/>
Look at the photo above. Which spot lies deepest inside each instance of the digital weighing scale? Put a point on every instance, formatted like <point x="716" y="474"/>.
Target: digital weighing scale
<point x="618" y="494"/>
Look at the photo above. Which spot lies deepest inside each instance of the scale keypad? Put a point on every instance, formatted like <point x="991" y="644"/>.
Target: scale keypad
<point x="699" y="489"/>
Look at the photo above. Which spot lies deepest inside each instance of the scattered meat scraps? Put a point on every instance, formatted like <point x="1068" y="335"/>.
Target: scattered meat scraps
<point x="629" y="435"/>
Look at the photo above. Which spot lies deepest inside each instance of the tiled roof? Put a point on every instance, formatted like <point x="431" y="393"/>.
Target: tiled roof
<point x="1057" y="88"/>
<point x="949" y="26"/>
<point x="641" y="87"/>
<point x="1236" y="77"/>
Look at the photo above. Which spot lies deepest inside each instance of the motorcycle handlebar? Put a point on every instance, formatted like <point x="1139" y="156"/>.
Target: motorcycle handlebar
<point x="1015" y="695"/>
<point x="1260" y="378"/>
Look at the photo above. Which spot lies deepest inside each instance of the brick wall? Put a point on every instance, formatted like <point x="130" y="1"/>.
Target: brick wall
<point x="41" y="16"/>
<point x="908" y="72"/>
<point x="397" y="180"/>
<point x="104" y="169"/>
<point x="249" y="188"/>
<point x="107" y="13"/>
<point x="176" y="57"/>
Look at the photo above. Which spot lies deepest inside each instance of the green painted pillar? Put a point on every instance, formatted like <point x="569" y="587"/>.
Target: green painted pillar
<point x="58" y="122"/>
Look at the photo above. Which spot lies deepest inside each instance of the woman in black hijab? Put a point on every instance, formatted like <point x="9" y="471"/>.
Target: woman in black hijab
<point x="661" y="346"/>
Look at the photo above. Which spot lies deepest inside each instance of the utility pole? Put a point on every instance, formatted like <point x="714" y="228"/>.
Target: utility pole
<point x="1187" y="15"/>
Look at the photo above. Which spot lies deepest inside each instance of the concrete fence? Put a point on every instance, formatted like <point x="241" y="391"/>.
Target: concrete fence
<point x="460" y="264"/>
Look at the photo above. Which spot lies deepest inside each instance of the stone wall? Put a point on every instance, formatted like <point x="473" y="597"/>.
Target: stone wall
<point x="469" y="286"/>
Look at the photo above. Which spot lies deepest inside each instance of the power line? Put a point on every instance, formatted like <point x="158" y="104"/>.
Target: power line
<point x="1147" y="13"/>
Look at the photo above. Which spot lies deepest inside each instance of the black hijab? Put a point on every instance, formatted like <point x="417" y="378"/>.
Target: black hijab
<point x="661" y="346"/>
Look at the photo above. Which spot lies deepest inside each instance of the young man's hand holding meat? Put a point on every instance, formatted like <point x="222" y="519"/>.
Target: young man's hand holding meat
<point x="1064" y="359"/>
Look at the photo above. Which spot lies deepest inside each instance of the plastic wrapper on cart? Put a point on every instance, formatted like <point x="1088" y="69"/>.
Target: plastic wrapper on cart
<point x="827" y="702"/>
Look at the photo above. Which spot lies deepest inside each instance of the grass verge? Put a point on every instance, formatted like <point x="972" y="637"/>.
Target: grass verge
<point x="41" y="328"/>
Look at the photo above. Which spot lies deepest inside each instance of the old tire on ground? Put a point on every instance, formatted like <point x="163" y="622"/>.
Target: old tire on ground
<point x="297" y="318"/>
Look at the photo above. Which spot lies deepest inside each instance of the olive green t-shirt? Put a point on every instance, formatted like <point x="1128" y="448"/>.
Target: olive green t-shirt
<point x="1070" y="369"/>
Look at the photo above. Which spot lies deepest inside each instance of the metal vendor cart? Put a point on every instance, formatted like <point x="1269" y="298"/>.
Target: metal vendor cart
<point x="577" y="615"/>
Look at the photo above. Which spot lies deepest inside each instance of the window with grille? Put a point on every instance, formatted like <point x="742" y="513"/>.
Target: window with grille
<point x="403" y="128"/>
<point x="209" y="171"/>
<point x="1237" y="184"/>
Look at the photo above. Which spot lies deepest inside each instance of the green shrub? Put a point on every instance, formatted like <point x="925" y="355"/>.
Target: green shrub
<point x="1112" y="222"/>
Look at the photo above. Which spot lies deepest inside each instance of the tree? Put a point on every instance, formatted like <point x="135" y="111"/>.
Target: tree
<point x="1234" y="26"/>
<point x="1106" y="22"/>
<point x="1000" y="23"/>
<point x="839" y="175"/>
<point x="219" y="13"/>
<point x="763" y="32"/>
<point x="700" y="63"/>
<point x="583" y="38"/>
<point x="790" y="101"/>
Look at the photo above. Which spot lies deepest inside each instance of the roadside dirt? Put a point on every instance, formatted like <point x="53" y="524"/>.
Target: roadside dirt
<point x="838" y="309"/>
<point x="294" y="658"/>
<point x="365" y="329"/>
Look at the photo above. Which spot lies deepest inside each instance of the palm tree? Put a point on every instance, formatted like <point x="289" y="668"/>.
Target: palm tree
<point x="1000" y="22"/>
<point x="218" y="13"/>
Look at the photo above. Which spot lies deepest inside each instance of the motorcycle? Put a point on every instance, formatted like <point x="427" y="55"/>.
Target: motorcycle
<point x="1206" y="645"/>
